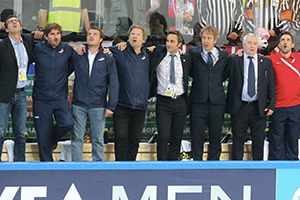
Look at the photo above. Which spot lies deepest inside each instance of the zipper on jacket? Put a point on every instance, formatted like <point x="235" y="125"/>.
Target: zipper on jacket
<point x="88" y="83"/>
<point x="53" y="52"/>
<point x="136" y="81"/>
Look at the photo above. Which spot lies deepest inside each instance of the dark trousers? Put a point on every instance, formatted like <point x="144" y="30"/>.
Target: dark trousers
<point x="47" y="132"/>
<point x="210" y="115"/>
<point x="248" y="116"/>
<point x="283" y="134"/>
<point x="128" y="126"/>
<point x="170" y="121"/>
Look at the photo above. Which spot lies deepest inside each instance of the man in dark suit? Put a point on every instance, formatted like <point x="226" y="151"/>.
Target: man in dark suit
<point x="207" y="96"/>
<point x="250" y="97"/>
<point x="169" y="73"/>
<point x="15" y="57"/>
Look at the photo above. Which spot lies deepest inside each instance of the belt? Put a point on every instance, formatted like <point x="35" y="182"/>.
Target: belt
<point x="20" y="90"/>
<point x="172" y="98"/>
<point x="250" y="102"/>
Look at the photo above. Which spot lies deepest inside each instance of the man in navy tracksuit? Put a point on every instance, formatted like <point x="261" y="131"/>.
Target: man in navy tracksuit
<point x="50" y="91"/>
<point x="129" y="115"/>
<point x="95" y="74"/>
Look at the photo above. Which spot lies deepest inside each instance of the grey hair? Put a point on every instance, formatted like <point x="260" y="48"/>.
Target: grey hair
<point x="246" y="36"/>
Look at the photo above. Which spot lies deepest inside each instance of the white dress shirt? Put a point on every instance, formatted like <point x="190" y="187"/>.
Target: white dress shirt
<point x="91" y="57"/>
<point x="163" y="75"/>
<point x="214" y="55"/>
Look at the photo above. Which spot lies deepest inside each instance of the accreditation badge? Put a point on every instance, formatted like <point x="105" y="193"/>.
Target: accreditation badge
<point x="171" y="90"/>
<point x="22" y="74"/>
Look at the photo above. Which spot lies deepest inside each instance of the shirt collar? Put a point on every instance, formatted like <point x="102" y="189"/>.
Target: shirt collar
<point x="213" y="51"/>
<point x="14" y="42"/>
<point x="176" y="55"/>
<point x="246" y="56"/>
<point x="280" y="56"/>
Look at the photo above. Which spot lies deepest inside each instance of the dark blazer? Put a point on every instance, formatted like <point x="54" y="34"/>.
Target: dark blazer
<point x="156" y="57"/>
<point x="207" y="83"/>
<point x="9" y="66"/>
<point x="265" y="88"/>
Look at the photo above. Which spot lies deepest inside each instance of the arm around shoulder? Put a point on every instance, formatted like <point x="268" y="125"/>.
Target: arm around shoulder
<point x="113" y="83"/>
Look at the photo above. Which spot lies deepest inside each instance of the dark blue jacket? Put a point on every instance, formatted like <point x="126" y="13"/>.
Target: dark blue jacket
<point x="133" y="72"/>
<point x="92" y="90"/>
<point x="51" y="71"/>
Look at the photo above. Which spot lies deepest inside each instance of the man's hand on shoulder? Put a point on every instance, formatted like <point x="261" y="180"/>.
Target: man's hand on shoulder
<point x="122" y="46"/>
<point x="240" y="52"/>
<point x="80" y="50"/>
<point x="181" y="52"/>
<point x="37" y="34"/>
<point x="151" y="49"/>
<point x="107" y="51"/>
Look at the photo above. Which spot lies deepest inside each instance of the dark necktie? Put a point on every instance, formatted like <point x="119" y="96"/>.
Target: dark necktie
<point x="251" y="78"/>
<point x="172" y="70"/>
<point x="210" y="62"/>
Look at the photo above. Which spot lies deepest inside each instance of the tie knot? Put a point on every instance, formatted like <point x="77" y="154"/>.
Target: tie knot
<point x="172" y="55"/>
<point x="209" y="53"/>
<point x="250" y="57"/>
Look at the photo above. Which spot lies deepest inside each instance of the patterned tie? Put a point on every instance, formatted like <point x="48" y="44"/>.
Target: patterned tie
<point x="172" y="70"/>
<point x="210" y="62"/>
<point x="251" y="78"/>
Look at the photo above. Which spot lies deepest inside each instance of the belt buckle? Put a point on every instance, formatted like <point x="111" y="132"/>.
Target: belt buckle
<point x="251" y="102"/>
<point x="18" y="90"/>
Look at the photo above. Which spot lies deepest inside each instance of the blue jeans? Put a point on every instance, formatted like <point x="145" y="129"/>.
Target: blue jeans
<point x="97" y="119"/>
<point x="17" y="107"/>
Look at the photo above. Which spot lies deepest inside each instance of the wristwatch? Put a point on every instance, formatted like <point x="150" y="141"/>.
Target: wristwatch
<point x="41" y="29"/>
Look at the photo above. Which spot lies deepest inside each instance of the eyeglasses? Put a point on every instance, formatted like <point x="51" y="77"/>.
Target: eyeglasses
<point x="12" y="21"/>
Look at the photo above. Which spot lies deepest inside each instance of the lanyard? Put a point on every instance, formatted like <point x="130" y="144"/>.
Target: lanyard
<point x="24" y="58"/>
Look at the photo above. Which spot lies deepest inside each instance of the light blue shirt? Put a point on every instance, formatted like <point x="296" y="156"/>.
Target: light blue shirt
<point x="245" y="96"/>
<point x="214" y="55"/>
<point x="22" y="59"/>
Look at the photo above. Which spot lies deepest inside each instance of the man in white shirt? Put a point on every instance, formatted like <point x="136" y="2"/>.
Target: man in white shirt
<point x="169" y="83"/>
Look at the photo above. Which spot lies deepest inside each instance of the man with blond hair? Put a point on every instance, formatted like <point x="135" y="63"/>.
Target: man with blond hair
<point x="129" y="115"/>
<point x="207" y="95"/>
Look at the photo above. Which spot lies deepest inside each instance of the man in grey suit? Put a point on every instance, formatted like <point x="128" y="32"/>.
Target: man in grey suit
<point x="250" y="98"/>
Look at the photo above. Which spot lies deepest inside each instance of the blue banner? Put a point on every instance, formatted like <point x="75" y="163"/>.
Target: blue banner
<point x="135" y="181"/>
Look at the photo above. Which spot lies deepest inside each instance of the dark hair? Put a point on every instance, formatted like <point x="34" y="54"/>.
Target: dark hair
<point x="179" y="35"/>
<point x="9" y="17"/>
<point x="48" y="28"/>
<point x="98" y="29"/>
<point x="287" y="33"/>
<point x="157" y="24"/>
